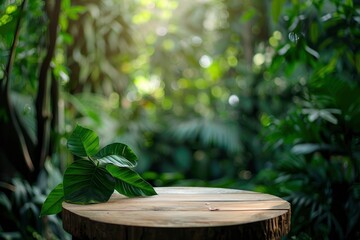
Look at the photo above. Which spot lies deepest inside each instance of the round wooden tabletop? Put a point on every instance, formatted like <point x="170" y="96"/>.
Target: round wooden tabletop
<point x="181" y="213"/>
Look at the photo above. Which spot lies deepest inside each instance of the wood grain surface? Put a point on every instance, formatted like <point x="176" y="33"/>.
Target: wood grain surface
<point x="181" y="213"/>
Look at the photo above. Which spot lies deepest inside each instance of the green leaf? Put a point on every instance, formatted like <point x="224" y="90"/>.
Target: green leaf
<point x="118" y="154"/>
<point x="83" y="142"/>
<point x="85" y="182"/>
<point x="129" y="183"/>
<point x="53" y="203"/>
<point x="5" y="202"/>
<point x="305" y="148"/>
<point x="311" y="51"/>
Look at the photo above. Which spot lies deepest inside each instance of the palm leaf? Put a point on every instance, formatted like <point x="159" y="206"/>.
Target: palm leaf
<point x="210" y="133"/>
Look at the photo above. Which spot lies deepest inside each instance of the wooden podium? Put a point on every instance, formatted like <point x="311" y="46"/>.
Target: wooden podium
<point x="184" y="213"/>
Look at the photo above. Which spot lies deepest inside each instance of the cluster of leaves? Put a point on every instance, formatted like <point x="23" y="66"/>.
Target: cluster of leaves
<point x="104" y="34"/>
<point x="95" y="174"/>
<point x="20" y="204"/>
<point x="317" y="143"/>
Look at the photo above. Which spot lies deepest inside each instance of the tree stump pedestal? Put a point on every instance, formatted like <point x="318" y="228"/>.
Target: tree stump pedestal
<point x="181" y="213"/>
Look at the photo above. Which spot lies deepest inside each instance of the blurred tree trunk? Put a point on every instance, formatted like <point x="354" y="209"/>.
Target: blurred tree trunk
<point x="43" y="110"/>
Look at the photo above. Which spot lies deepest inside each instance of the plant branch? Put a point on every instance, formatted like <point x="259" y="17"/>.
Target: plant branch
<point x="42" y="106"/>
<point x="54" y="98"/>
<point x="11" y="59"/>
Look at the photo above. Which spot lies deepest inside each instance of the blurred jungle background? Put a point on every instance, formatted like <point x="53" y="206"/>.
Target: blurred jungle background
<point x="261" y="95"/>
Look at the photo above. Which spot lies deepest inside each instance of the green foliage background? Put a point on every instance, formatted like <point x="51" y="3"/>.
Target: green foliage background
<point x="259" y="95"/>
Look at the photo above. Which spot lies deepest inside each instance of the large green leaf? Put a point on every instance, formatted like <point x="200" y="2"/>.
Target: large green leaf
<point x="85" y="182"/>
<point x="129" y="183"/>
<point x="53" y="203"/>
<point x="83" y="142"/>
<point x="118" y="154"/>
